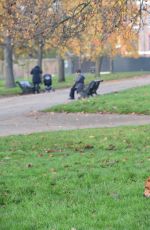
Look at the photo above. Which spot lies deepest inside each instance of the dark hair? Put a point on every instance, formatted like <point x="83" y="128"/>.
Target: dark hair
<point x="78" y="71"/>
<point x="37" y="66"/>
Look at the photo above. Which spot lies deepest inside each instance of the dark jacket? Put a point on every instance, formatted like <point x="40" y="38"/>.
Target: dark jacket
<point x="36" y="72"/>
<point x="80" y="79"/>
<point x="79" y="83"/>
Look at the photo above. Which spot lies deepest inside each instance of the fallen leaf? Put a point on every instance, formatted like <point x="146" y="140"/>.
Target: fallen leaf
<point x="88" y="146"/>
<point x="29" y="165"/>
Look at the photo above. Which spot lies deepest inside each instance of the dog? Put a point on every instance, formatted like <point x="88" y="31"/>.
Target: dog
<point x="147" y="188"/>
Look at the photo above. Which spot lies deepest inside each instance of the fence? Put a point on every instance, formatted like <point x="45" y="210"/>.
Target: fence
<point x="119" y="64"/>
<point x="23" y="67"/>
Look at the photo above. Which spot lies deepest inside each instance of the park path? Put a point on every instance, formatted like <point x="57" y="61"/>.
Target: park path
<point x="20" y="114"/>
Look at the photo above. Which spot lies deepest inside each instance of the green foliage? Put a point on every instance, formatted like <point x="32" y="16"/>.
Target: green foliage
<point x="135" y="100"/>
<point x="85" y="179"/>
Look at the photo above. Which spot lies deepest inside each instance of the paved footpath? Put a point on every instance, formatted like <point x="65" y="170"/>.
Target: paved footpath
<point x="20" y="114"/>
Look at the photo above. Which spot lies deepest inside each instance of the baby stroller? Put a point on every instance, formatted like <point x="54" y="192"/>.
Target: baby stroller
<point x="47" y="79"/>
<point x="25" y="86"/>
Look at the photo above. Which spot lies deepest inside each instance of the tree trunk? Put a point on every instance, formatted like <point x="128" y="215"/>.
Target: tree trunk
<point x="8" y="64"/>
<point x="40" y="55"/>
<point x="111" y="65"/>
<point x="69" y="67"/>
<point x="99" y="61"/>
<point x="80" y="63"/>
<point x="61" y="69"/>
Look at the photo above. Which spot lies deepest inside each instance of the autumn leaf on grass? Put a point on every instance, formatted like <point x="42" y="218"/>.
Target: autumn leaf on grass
<point x="88" y="146"/>
<point x="111" y="147"/>
<point x="78" y="149"/>
<point x="51" y="150"/>
<point x="53" y="170"/>
<point x="108" y="163"/>
<point x="29" y="165"/>
<point x="66" y="166"/>
<point x="40" y="155"/>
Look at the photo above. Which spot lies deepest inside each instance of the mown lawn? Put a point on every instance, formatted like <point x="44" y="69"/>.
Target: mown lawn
<point x="69" y="81"/>
<point x="85" y="180"/>
<point x="136" y="100"/>
<point x="8" y="91"/>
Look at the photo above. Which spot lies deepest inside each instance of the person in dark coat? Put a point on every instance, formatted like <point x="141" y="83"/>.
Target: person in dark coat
<point x="78" y="85"/>
<point x="36" y="78"/>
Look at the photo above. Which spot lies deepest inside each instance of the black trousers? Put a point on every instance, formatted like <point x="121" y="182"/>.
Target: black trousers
<point x="36" y="88"/>
<point x="72" y="91"/>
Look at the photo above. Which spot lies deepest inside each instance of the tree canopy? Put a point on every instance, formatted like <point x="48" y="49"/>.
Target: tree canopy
<point x="41" y="19"/>
<point x="98" y="24"/>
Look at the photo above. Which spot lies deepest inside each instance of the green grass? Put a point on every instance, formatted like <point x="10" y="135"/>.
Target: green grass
<point x="69" y="81"/>
<point x="85" y="180"/>
<point x="136" y="100"/>
<point x="8" y="91"/>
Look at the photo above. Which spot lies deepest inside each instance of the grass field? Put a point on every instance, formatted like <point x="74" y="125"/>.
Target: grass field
<point x="76" y="180"/>
<point x="8" y="91"/>
<point x="69" y="81"/>
<point x="136" y="100"/>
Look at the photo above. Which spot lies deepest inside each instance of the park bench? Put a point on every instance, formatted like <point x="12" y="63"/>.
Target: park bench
<point x="25" y="86"/>
<point x="90" y="89"/>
